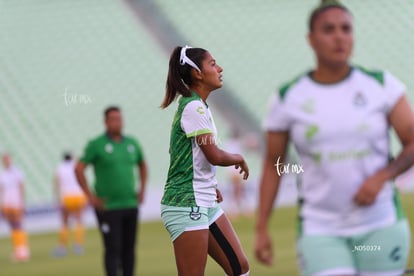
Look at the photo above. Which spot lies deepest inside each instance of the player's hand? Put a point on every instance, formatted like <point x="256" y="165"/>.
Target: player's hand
<point x="243" y="169"/>
<point x="263" y="248"/>
<point x="367" y="193"/>
<point x="96" y="202"/>
<point x="219" y="196"/>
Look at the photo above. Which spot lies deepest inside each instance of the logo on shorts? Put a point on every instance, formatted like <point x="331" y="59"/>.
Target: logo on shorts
<point x="396" y="254"/>
<point x="195" y="213"/>
<point x="105" y="228"/>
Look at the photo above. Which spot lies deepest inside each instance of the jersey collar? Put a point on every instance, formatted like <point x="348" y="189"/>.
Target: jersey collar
<point x="195" y="95"/>
<point x="110" y="138"/>
<point x="351" y="69"/>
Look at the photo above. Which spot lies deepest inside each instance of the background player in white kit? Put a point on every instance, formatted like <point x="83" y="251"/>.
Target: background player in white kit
<point x="338" y="117"/>
<point x="237" y="186"/>
<point x="12" y="207"/>
<point x="72" y="203"/>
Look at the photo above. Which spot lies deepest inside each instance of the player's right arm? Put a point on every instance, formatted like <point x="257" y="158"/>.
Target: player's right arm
<point x="89" y="157"/>
<point x="276" y="147"/>
<point x="219" y="157"/>
<point x="195" y="123"/>
<point x="96" y="202"/>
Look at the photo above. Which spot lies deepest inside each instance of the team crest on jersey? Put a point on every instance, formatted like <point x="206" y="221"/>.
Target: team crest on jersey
<point x="195" y="213"/>
<point x="109" y="148"/>
<point x="360" y="100"/>
<point x="130" y="148"/>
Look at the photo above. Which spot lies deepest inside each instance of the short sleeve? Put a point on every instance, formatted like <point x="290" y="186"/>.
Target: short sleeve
<point x="139" y="152"/>
<point x="277" y="117"/>
<point x="89" y="154"/>
<point x="394" y="89"/>
<point x="195" y="119"/>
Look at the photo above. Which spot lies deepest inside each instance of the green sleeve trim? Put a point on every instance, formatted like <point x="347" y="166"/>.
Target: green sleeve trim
<point x="286" y="87"/>
<point x="376" y="75"/>
<point x="198" y="132"/>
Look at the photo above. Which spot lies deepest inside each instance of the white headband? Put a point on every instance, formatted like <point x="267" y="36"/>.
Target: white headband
<point x="186" y="60"/>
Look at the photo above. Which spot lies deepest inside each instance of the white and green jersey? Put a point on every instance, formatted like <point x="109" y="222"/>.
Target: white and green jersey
<point x="191" y="178"/>
<point x="341" y="134"/>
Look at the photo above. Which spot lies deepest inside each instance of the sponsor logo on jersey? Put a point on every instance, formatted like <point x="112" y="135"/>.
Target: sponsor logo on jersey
<point x="200" y="110"/>
<point x="311" y="131"/>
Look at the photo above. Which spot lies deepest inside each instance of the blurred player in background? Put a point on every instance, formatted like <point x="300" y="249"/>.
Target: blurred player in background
<point x="235" y="179"/>
<point x="72" y="204"/>
<point x="12" y="202"/>
<point x="115" y="157"/>
<point x="190" y="210"/>
<point x="338" y="117"/>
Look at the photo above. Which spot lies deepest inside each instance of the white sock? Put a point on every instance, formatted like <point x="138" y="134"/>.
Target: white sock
<point x="245" y="274"/>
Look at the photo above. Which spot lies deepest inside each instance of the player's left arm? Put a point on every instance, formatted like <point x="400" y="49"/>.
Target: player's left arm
<point x="401" y="118"/>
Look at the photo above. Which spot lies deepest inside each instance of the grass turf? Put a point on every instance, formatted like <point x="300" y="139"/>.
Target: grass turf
<point x="155" y="253"/>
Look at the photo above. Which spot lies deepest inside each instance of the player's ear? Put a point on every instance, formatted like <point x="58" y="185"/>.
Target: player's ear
<point x="310" y="39"/>
<point x="196" y="75"/>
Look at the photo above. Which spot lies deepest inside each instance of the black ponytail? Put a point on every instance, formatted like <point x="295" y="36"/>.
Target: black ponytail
<point x="179" y="76"/>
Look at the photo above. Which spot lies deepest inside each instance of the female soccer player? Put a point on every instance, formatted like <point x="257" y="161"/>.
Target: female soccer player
<point x="12" y="207"/>
<point x="191" y="215"/>
<point x="73" y="202"/>
<point x="338" y="117"/>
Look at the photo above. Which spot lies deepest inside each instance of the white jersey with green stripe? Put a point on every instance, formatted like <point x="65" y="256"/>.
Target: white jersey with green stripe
<point x="191" y="178"/>
<point x="341" y="134"/>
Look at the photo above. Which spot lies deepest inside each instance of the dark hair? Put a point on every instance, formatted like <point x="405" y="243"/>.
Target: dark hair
<point x="67" y="156"/>
<point x="323" y="6"/>
<point x="109" y="109"/>
<point x="179" y="76"/>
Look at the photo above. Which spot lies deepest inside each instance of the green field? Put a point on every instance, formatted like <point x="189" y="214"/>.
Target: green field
<point x="155" y="255"/>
